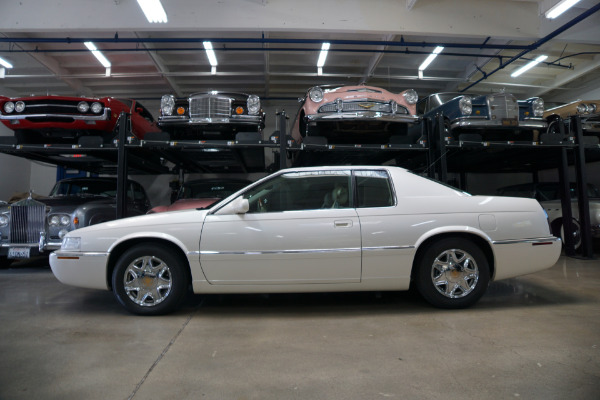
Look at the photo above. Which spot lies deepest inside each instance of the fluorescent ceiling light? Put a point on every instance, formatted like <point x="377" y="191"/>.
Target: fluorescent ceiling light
<point x="5" y="63"/>
<point x="560" y="8"/>
<point x="528" y="66"/>
<point x="323" y="55"/>
<point x="210" y="53"/>
<point x="153" y="10"/>
<point x="431" y="57"/>
<point x="97" y="54"/>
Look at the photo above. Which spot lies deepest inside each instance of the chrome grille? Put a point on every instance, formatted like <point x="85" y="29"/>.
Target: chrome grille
<point x="210" y="107"/>
<point x="352" y="106"/>
<point x="27" y="220"/>
<point x="503" y="106"/>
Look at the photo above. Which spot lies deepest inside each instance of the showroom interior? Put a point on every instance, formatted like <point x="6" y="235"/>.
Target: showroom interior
<point x="532" y="336"/>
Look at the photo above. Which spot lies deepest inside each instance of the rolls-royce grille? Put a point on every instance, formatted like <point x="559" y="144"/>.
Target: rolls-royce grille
<point x="27" y="220"/>
<point x="210" y="107"/>
<point x="352" y="106"/>
<point x="503" y="106"/>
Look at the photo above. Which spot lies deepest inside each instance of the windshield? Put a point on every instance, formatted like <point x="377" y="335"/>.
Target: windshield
<point x="82" y="188"/>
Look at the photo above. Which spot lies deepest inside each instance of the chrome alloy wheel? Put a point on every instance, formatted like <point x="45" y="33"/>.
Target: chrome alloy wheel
<point x="454" y="273"/>
<point x="147" y="281"/>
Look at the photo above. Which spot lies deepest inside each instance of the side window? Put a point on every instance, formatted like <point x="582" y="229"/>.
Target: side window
<point x="297" y="191"/>
<point x="374" y="189"/>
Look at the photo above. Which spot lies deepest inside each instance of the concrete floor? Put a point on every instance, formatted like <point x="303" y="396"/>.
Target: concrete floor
<point x="534" y="337"/>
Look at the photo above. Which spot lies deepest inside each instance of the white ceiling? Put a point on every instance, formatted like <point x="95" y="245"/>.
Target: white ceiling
<point x="270" y="47"/>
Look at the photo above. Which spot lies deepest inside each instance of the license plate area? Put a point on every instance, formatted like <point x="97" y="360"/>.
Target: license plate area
<point x="18" y="252"/>
<point x="510" y="122"/>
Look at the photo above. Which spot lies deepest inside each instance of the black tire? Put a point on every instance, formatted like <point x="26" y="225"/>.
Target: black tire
<point x="558" y="230"/>
<point x="5" y="262"/>
<point x="457" y="285"/>
<point x="164" y="276"/>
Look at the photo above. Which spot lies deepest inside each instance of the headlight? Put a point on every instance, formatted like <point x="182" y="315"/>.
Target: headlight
<point x="316" y="94"/>
<point x="581" y="108"/>
<point x="253" y="104"/>
<point x="96" y="107"/>
<point x="591" y="108"/>
<point x="9" y="107"/>
<point x="19" y="106"/>
<point x="65" y="220"/>
<point x="411" y="96"/>
<point x="83" y="106"/>
<point x="54" y="220"/>
<point x="465" y="105"/>
<point x="62" y="233"/>
<point x="538" y="107"/>
<point x="167" y="104"/>
<point x="71" y="243"/>
<point x="3" y="220"/>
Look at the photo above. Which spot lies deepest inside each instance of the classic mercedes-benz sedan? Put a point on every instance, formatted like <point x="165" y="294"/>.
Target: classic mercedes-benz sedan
<point x="319" y="229"/>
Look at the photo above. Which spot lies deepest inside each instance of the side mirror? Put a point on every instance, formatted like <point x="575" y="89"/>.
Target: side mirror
<point x="239" y="205"/>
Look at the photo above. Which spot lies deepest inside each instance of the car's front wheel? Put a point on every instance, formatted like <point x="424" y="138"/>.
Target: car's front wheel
<point x="452" y="273"/>
<point x="150" y="280"/>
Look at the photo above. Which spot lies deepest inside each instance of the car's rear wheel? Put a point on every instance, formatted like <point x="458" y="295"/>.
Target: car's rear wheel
<point x="150" y="280"/>
<point x="452" y="273"/>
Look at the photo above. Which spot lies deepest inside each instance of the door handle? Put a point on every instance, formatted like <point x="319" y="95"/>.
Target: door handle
<point x="343" y="223"/>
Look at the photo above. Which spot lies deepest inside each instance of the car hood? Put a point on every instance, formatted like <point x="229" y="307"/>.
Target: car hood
<point x="186" y="204"/>
<point x="67" y="203"/>
<point x="147" y="222"/>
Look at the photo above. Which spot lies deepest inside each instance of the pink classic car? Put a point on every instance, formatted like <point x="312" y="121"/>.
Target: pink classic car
<point x="354" y="114"/>
<point x="202" y="193"/>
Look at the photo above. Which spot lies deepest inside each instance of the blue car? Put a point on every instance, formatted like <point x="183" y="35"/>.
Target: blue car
<point x="496" y="117"/>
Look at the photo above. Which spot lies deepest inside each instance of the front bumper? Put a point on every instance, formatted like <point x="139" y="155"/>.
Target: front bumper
<point x="32" y="249"/>
<point x="483" y="122"/>
<point x="186" y="121"/>
<point x="362" y="116"/>
<point x="77" y="117"/>
<point x="83" y="269"/>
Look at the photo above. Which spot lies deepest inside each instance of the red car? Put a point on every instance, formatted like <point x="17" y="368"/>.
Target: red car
<point x="61" y="119"/>
<point x="202" y="193"/>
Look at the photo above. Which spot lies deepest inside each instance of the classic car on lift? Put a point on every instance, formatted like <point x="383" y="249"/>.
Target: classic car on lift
<point x="32" y="227"/>
<point x="588" y="111"/>
<point x="354" y="114"/>
<point x="496" y="117"/>
<point x="63" y="119"/>
<point x="548" y="194"/>
<point x="318" y="229"/>
<point x="211" y="115"/>
<point x="202" y="193"/>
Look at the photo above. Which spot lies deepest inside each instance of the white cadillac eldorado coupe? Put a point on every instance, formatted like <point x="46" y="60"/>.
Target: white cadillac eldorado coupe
<point x="320" y="229"/>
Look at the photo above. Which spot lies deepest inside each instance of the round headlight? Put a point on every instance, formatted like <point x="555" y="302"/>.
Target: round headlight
<point x="253" y="104"/>
<point x="3" y="220"/>
<point x="65" y="220"/>
<point x="19" y="106"/>
<point x="96" y="107"/>
<point x="581" y="108"/>
<point x="538" y="107"/>
<point x="591" y="108"/>
<point x="167" y="104"/>
<point x="62" y="233"/>
<point x="465" y="105"/>
<point x="411" y="96"/>
<point x="9" y="107"/>
<point x="83" y="106"/>
<point x="54" y="220"/>
<point x="316" y="94"/>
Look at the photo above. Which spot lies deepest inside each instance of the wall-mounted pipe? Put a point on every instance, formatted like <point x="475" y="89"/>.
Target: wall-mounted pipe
<point x="540" y="42"/>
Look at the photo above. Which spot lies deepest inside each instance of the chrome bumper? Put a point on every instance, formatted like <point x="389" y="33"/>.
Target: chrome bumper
<point x="102" y="117"/>
<point x="183" y="120"/>
<point x="483" y="122"/>
<point x="362" y="115"/>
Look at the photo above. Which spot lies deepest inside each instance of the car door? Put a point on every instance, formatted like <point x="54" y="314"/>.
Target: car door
<point x="142" y="121"/>
<point x="301" y="229"/>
